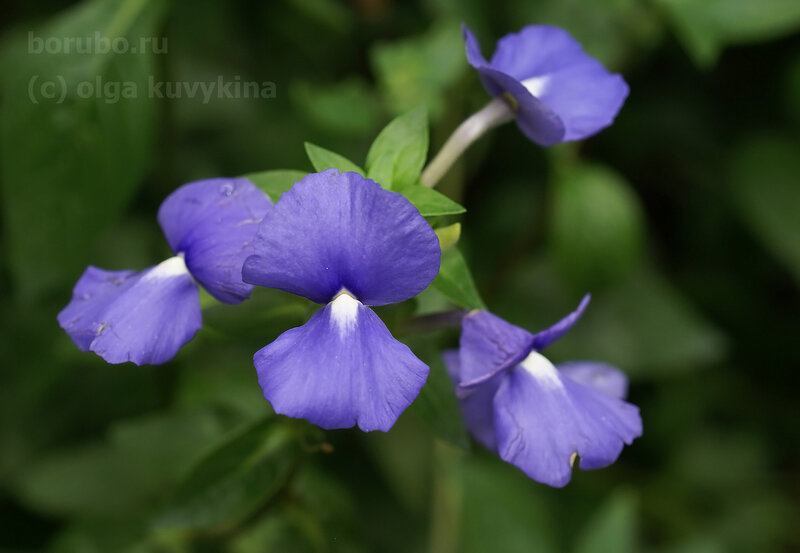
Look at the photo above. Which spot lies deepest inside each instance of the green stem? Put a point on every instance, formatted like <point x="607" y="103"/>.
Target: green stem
<point x="491" y="115"/>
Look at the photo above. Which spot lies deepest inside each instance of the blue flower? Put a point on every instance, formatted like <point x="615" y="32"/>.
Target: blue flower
<point x="535" y="415"/>
<point x="557" y="91"/>
<point x="146" y="316"/>
<point x="341" y="240"/>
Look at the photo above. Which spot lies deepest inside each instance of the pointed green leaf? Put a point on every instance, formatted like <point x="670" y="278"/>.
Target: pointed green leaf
<point x="429" y="202"/>
<point x="405" y="140"/>
<point x="322" y="159"/>
<point x="276" y="182"/>
<point x="382" y="170"/>
<point x="455" y="281"/>
<point x="234" y="479"/>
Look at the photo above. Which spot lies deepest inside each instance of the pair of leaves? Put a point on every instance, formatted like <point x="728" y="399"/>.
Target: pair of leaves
<point x="395" y="160"/>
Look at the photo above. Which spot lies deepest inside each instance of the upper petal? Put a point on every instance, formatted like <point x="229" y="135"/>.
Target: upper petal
<point x="551" y="335"/>
<point x="340" y="230"/>
<point x="213" y="223"/>
<point x="140" y="317"/>
<point x="555" y="69"/>
<point x="489" y="345"/>
<point x="341" y="368"/>
<point x="543" y="420"/>
<point x="600" y="376"/>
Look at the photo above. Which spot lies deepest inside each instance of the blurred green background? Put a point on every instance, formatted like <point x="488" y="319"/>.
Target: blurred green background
<point x="682" y="219"/>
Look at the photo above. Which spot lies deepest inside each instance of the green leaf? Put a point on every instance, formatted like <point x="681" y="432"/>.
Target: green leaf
<point x="66" y="183"/>
<point x="322" y="159"/>
<point x="78" y="480"/>
<point x="382" y="170"/>
<point x="429" y="202"/>
<point x="764" y="179"/>
<point x="613" y="528"/>
<point x="455" y="281"/>
<point x="501" y="509"/>
<point x="597" y="226"/>
<point x="235" y="479"/>
<point x="707" y="26"/>
<point x="276" y="182"/>
<point x="405" y="141"/>
<point x="448" y="236"/>
<point x="419" y="70"/>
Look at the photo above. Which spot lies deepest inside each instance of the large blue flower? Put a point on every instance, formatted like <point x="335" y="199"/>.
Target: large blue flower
<point x="341" y="240"/>
<point x="557" y="91"/>
<point x="145" y="317"/>
<point x="536" y="416"/>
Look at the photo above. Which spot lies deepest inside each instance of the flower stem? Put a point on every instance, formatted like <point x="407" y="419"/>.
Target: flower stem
<point x="491" y="115"/>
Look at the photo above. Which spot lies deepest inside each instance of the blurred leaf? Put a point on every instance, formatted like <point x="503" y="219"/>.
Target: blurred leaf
<point x="607" y="29"/>
<point x="455" y="281"/>
<point x="405" y="140"/>
<point x="417" y="71"/>
<point x="330" y="13"/>
<point x="163" y="446"/>
<point x="276" y="182"/>
<point x="234" y="479"/>
<point x="348" y="107"/>
<point x="707" y="26"/>
<point x="429" y="202"/>
<point x="322" y="159"/>
<point x="597" y="225"/>
<point x="80" y="480"/>
<point x="448" y="236"/>
<point x="613" y="528"/>
<point x="644" y="326"/>
<point x="285" y="528"/>
<point x="65" y="183"/>
<point x="503" y="511"/>
<point x="764" y="178"/>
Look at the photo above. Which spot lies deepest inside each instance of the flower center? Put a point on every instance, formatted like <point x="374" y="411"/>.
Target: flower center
<point x="344" y="311"/>
<point x="169" y="268"/>
<point x="540" y="368"/>
<point x="537" y="85"/>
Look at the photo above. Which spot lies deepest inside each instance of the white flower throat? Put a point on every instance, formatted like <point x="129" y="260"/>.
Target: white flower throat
<point x="344" y="312"/>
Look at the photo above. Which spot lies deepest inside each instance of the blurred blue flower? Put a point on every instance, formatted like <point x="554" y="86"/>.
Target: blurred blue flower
<point x="536" y="416"/>
<point x="146" y="316"/>
<point x="557" y="91"/>
<point x="343" y="241"/>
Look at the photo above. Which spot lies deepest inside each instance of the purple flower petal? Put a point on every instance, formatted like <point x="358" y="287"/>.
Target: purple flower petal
<point x="551" y="335"/>
<point x="94" y="291"/>
<point x="545" y="63"/>
<point x="140" y="317"/>
<point x="543" y="421"/>
<point x="335" y="231"/>
<point x="341" y="368"/>
<point x="476" y="403"/>
<point x="213" y="223"/>
<point x="600" y="376"/>
<point x="489" y="345"/>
